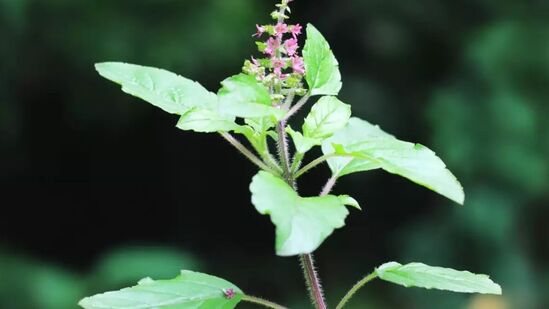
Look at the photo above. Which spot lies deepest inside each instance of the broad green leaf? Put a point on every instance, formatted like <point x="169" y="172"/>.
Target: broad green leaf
<point x="322" y="68"/>
<point x="207" y="121"/>
<point x="189" y="290"/>
<point x="169" y="91"/>
<point x="326" y="117"/>
<point x="429" y="277"/>
<point x="303" y="144"/>
<point x="302" y="223"/>
<point x="242" y="96"/>
<point x="368" y="148"/>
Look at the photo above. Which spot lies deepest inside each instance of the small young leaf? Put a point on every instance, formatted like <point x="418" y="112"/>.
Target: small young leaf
<point x="189" y="290"/>
<point x="166" y="90"/>
<point x="303" y="144"/>
<point x="302" y="223"/>
<point x="242" y="96"/>
<point x="258" y="139"/>
<point x="349" y="201"/>
<point x="322" y="68"/>
<point x="368" y="147"/>
<point x="206" y="121"/>
<point x="326" y="117"/>
<point x="429" y="277"/>
<point x="256" y="131"/>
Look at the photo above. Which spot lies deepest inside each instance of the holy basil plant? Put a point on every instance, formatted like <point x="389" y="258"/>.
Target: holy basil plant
<point x="263" y="97"/>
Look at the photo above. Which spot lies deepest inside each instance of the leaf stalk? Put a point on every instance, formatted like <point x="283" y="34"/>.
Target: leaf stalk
<point x="262" y="302"/>
<point x="355" y="288"/>
<point x="247" y="153"/>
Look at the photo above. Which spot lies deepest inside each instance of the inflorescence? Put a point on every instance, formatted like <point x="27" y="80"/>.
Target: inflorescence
<point x="281" y="68"/>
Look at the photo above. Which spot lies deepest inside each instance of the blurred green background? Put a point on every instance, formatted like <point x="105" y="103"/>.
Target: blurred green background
<point x="100" y="190"/>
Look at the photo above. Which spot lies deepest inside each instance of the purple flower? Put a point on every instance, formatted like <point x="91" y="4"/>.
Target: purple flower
<point x="280" y="29"/>
<point x="296" y="30"/>
<point x="272" y="46"/>
<point x="298" y="66"/>
<point x="260" y="31"/>
<point x="229" y="293"/>
<point x="291" y="46"/>
<point x="278" y="65"/>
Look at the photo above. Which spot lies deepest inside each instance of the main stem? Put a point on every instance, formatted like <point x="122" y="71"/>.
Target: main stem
<point x="307" y="261"/>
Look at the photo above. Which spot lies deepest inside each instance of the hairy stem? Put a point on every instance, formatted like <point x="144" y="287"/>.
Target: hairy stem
<point x="329" y="185"/>
<point x="296" y="163"/>
<point x="296" y="107"/>
<point x="246" y="152"/>
<point x="355" y="288"/>
<point x="262" y="302"/>
<point x="284" y="154"/>
<point x="312" y="280"/>
<point x="307" y="262"/>
<point x="268" y="157"/>
<point x="313" y="164"/>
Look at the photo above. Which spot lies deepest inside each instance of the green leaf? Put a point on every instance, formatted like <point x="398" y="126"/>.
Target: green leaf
<point x="206" y="121"/>
<point x="326" y="117"/>
<point x="189" y="290"/>
<point x="302" y="223"/>
<point x="429" y="277"/>
<point x="242" y="96"/>
<point x="258" y="139"/>
<point x="256" y="131"/>
<point x="322" y="68"/>
<point x="260" y="125"/>
<point x="368" y="148"/>
<point x="302" y="144"/>
<point x="169" y="91"/>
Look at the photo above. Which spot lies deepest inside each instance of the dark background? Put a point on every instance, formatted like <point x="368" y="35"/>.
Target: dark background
<point x="99" y="189"/>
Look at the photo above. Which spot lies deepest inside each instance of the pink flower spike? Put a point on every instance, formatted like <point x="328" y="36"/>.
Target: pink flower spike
<point x="296" y="30"/>
<point x="272" y="46"/>
<point x="291" y="46"/>
<point x="280" y="29"/>
<point x="260" y="31"/>
<point x="298" y="66"/>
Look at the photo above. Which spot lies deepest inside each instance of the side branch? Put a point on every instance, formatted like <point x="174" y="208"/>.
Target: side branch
<point x="246" y="152"/>
<point x="296" y="107"/>
<point x="314" y="163"/>
<point x="355" y="288"/>
<point x="262" y="302"/>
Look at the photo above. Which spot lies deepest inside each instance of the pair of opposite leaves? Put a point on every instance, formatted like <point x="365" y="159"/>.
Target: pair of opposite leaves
<point x="302" y="223"/>
<point x="201" y="291"/>
<point x="360" y="145"/>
